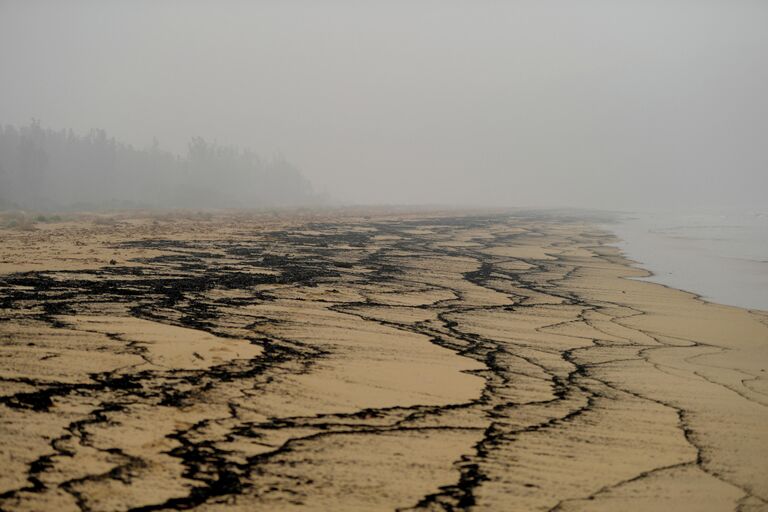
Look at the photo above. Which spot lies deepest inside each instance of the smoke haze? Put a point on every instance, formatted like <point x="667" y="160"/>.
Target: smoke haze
<point x="598" y="104"/>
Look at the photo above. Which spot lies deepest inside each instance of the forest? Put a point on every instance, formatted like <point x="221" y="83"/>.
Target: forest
<point x="46" y="169"/>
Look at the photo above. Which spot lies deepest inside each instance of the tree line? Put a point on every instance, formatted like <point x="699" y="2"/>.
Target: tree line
<point x="41" y="168"/>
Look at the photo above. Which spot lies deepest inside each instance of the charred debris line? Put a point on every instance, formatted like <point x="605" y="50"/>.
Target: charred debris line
<point x="203" y="285"/>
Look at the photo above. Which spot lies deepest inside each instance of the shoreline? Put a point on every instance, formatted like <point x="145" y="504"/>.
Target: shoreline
<point x="510" y="360"/>
<point x="724" y="262"/>
<point x="654" y="278"/>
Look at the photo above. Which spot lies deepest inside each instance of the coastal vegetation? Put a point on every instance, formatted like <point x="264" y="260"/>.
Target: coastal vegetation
<point x="46" y="169"/>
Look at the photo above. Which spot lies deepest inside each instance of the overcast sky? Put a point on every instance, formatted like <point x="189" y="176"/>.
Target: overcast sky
<point x="609" y="104"/>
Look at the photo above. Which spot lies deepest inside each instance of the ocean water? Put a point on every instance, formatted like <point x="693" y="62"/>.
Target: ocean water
<point x="720" y="255"/>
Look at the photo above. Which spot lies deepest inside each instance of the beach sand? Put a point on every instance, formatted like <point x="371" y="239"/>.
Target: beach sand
<point x="366" y="360"/>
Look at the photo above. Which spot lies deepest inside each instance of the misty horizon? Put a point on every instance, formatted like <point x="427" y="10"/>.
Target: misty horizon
<point x="591" y="105"/>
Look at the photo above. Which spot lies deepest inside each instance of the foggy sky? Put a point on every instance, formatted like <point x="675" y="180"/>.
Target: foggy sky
<point x="604" y="104"/>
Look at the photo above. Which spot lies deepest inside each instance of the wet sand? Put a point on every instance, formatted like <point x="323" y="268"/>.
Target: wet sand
<point x="367" y="361"/>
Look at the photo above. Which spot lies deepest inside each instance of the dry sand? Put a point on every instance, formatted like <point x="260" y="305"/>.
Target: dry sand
<point x="366" y="361"/>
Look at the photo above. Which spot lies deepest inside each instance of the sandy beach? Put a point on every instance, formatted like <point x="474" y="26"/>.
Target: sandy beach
<point x="366" y="360"/>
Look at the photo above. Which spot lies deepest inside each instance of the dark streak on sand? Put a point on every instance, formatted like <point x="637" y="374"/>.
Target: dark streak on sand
<point x="172" y="289"/>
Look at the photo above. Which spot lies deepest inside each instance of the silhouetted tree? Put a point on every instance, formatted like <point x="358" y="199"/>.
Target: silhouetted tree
<point x="43" y="168"/>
